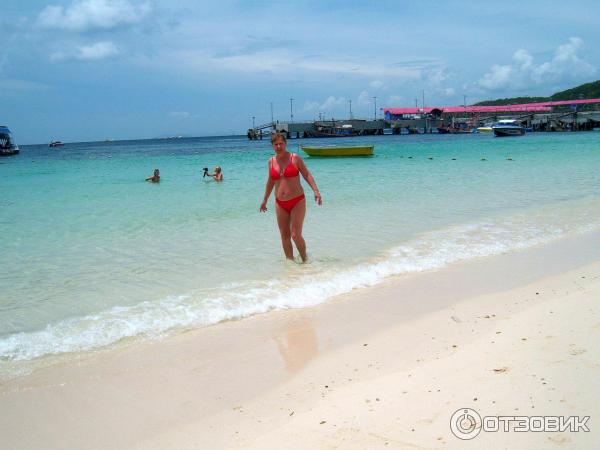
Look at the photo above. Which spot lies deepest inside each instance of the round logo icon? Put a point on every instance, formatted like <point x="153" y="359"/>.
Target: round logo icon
<point x="465" y="423"/>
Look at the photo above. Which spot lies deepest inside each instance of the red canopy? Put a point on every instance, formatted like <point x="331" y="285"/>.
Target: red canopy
<point x="525" y="107"/>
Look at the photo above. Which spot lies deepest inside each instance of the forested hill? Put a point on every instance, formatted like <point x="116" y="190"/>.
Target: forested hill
<point x="588" y="90"/>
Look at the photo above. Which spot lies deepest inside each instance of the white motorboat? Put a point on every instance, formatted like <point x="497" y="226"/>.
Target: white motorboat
<point x="508" y="128"/>
<point x="7" y="144"/>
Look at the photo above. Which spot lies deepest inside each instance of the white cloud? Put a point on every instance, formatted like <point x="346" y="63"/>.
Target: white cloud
<point x="183" y="116"/>
<point x="94" y="52"/>
<point x="498" y="76"/>
<point x="376" y="84"/>
<point x="523" y="59"/>
<point x="310" y="106"/>
<point x="568" y="52"/>
<point x="364" y="98"/>
<point x="331" y="105"/>
<point x="435" y="76"/>
<point x="99" y="50"/>
<point x="448" y="92"/>
<point x="87" y="15"/>
<point x="523" y="72"/>
<point x="332" y="102"/>
<point x="284" y="62"/>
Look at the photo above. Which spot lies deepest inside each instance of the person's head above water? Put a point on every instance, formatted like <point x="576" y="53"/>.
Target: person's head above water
<point x="279" y="142"/>
<point x="155" y="176"/>
<point x="278" y="136"/>
<point x="217" y="169"/>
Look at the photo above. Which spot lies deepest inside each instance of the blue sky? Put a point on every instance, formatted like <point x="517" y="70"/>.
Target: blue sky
<point x="79" y="70"/>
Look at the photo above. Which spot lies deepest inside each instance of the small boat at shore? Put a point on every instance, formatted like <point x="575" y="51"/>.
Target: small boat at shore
<point x="7" y="144"/>
<point x="484" y="129"/>
<point x="56" y="144"/>
<point x="508" y="128"/>
<point x="334" y="130"/>
<point x="364" y="150"/>
<point x="458" y="128"/>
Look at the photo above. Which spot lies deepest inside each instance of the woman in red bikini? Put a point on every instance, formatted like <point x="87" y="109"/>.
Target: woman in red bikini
<point x="284" y="175"/>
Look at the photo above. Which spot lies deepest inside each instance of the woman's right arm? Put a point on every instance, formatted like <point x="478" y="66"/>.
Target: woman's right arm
<point x="268" y="189"/>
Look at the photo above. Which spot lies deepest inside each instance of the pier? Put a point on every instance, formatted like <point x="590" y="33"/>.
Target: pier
<point x="567" y="115"/>
<point x="345" y="128"/>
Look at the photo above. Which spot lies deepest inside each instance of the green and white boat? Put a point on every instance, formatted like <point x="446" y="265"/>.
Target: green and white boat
<point x="364" y="150"/>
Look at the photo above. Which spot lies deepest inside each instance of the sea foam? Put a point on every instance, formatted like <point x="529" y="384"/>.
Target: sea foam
<point x="307" y="286"/>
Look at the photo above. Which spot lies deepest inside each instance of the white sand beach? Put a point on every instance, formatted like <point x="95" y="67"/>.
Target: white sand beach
<point x="381" y="367"/>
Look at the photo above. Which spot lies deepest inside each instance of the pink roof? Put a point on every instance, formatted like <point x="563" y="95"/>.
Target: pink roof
<point x="469" y="109"/>
<point x="526" y="107"/>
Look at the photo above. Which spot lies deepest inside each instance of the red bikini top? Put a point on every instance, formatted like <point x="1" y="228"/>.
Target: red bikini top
<point x="290" y="170"/>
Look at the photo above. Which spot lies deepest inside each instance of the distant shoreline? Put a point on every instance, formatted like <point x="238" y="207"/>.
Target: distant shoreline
<point x="114" y="141"/>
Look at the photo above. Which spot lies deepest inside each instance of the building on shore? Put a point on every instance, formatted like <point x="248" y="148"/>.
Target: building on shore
<point x="564" y="115"/>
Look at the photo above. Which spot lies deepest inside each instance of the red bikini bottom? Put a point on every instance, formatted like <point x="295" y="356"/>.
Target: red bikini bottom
<point x="288" y="205"/>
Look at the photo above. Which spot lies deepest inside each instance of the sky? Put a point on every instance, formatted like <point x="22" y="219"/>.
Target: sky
<point x="85" y="70"/>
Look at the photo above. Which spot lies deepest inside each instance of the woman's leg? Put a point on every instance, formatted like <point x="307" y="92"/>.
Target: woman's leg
<point x="283" y="221"/>
<point x="297" y="221"/>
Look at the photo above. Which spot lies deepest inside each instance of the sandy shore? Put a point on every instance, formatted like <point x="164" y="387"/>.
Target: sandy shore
<point x="382" y="367"/>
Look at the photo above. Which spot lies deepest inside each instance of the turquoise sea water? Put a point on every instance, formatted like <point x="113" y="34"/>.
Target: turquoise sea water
<point x="93" y="254"/>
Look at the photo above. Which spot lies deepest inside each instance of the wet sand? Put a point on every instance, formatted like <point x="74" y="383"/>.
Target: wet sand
<point x="380" y="367"/>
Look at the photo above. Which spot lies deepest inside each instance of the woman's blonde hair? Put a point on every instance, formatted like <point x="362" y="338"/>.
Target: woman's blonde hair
<point x="277" y="135"/>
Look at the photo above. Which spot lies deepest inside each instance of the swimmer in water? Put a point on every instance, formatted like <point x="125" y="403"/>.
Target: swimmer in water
<point x="218" y="175"/>
<point x="155" y="178"/>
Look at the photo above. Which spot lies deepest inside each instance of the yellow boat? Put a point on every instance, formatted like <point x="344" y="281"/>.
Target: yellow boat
<point x="365" y="150"/>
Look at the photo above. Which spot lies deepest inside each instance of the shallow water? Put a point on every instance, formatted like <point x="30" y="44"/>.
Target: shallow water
<point x="93" y="254"/>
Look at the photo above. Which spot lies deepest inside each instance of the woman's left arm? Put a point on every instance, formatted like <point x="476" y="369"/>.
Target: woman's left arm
<point x="309" y="178"/>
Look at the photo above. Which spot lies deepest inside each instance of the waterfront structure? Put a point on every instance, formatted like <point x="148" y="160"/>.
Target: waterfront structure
<point x="553" y="106"/>
<point x="563" y="115"/>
